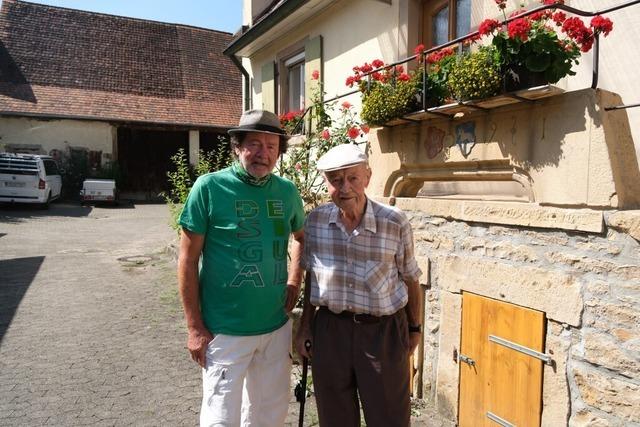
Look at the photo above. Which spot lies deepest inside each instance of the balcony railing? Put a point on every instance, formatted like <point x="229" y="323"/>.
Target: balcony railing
<point x="450" y="110"/>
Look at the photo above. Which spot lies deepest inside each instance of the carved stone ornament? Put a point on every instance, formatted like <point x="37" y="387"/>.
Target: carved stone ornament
<point x="434" y="141"/>
<point x="466" y="137"/>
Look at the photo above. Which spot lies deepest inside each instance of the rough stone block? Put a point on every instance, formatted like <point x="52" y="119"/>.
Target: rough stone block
<point x="586" y="418"/>
<point x="603" y="350"/>
<point x="611" y="395"/>
<point x="608" y="315"/>
<point x="434" y="239"/>
<point x="448" y="376"/>
<point x="557" y="294"/>
<point x="626" y="222"/>
<point x="556" y="406"/>
<point x="529" y="215"/>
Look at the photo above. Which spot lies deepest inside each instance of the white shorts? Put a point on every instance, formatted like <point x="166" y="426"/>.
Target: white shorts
<point x="246" y="380"/>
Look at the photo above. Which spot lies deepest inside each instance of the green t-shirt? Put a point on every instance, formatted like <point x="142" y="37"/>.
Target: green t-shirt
<point x="243" y="273"/>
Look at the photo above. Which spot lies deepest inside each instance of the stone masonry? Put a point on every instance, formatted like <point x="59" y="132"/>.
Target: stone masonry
<point x="588" y="284"/>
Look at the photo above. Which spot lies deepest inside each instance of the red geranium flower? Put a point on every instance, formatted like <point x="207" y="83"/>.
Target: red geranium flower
<point x="325" y="134"/>
<point x="404" y="77"/>
<point x="538" y="16"/>
<point x="602" y="25"/>
<point x="575" y="28"/>
<point x="351" y="80"/>
<point x="364" y="128"/>
<point x="366" y="68"/>
<point x="439" y="54"/>
<point x="346" y="105"/>
<point x="353" y="132"/>
<point x="559" y="18"/>
<point x="377" y="63"/>
<point x="418" y="49"/>
<point x="519" y="29"/>
<point x="315" y="75"/>
<point x="488" y="26"/>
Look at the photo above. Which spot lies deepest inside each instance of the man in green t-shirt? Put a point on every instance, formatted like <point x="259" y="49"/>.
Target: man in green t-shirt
<point x="236" y="224"/>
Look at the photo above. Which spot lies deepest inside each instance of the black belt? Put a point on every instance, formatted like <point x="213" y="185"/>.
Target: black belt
<point x="356" y="317"/>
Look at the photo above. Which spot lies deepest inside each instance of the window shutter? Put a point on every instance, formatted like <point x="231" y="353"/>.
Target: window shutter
<point x="268" y="87"/>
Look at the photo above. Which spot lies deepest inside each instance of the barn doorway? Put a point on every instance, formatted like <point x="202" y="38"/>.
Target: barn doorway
<point x="144" y="157"/>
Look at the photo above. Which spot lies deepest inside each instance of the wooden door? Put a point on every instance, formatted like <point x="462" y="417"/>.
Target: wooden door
<point x="500" y="385"/>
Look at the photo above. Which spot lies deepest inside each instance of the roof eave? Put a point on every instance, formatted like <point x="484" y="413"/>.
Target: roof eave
<point x="51" y="116"/>
<point x="265" y="24"/>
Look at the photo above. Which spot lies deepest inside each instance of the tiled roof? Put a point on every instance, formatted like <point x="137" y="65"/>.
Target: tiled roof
<point x="62" y="62"/>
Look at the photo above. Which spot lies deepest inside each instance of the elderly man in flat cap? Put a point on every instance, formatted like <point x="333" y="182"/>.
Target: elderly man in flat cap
<point x="361" y="299"/>
<point x="237" y="221"/>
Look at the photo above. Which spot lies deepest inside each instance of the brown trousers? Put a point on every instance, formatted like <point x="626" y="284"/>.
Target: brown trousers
<point x="366" y="359"/>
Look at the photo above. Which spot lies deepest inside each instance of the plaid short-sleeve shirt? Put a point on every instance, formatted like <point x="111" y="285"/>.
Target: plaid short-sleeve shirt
<point x="361" y="272"/>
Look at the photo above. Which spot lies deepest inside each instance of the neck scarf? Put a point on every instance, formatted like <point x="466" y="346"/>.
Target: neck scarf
<point x="246" y="177"/>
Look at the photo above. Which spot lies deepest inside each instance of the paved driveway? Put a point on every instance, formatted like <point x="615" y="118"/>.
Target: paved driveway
<point x="91" y="330"/>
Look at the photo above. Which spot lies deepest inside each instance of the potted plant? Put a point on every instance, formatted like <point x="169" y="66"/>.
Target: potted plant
<point x="475" y="75"/>
<point x="390" y="92"/>
<point x="439" y="65"/>
<point x="386" y="94"/>
<point x="530" y="49"/>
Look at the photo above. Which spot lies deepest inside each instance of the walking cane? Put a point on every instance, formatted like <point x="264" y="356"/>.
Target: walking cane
<point x="301" y="388"/>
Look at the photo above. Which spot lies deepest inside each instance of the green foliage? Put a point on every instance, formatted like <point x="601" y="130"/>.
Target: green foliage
<point x="183" y="176"/>
<point x="542" y="52"/>
<point x="437" y="88"/>
<point x="476" y="75"/>
<point x="385" y="101"/>
<point x="75" y="168"/>
<point x="111" y="171"/>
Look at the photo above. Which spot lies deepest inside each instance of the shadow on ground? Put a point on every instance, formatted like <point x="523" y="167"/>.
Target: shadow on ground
<point x="16" y="213"/>
<point x="17" y="275"/>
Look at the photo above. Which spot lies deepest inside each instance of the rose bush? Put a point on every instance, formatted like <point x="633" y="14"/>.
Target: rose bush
<point x="332" y="124"/>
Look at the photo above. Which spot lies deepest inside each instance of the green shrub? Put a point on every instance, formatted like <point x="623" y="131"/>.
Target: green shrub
<point x="476" y="75"/>
<point x="182" y="178"/>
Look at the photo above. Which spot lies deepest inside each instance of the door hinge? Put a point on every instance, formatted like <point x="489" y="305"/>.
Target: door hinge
<point x="469" y="361"/>
<point x="522" y="349"/>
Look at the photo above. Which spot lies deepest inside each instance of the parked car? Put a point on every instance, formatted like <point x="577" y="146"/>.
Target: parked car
<point x="29" y="178"/>
<point x="98" y="190"/>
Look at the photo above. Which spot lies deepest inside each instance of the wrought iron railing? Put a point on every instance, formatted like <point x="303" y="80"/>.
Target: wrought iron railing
<point x="473" y="35"/>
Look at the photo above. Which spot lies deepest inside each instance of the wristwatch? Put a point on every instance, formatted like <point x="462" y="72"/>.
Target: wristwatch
<point x="415" y="328"/>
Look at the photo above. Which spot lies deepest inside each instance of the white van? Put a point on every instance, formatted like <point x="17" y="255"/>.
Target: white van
<point x="29" y="178"/>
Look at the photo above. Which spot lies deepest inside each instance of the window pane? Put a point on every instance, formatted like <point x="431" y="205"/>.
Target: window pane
<point x="441" y="26"/>
<point x="296" y="88"/>
<point x="463" y="17"/>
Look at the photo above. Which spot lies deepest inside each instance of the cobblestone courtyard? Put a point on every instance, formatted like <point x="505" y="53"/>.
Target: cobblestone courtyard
<point x="91" y="331"/>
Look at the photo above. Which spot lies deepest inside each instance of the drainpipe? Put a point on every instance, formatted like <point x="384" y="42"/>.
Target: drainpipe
<point x="245" y="78"/>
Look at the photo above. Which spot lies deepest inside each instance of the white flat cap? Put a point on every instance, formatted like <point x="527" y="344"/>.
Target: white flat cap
<point x="341" y="157"/>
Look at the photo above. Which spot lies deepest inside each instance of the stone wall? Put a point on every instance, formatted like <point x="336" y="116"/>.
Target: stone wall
<point x="587" y="283"/>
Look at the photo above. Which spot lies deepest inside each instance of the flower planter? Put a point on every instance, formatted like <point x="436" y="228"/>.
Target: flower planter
<point x="518" y="77"/>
